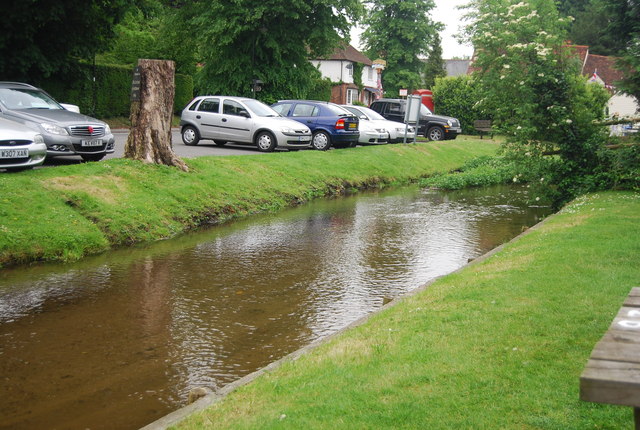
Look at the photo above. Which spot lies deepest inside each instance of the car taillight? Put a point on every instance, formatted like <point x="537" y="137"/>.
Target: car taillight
<point x="340" y="124"/>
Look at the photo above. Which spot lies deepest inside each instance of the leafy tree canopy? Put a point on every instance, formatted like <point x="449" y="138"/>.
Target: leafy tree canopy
<point x="269" y="40"/>
<point x="538" y="98"/>
<point x="400" y="32"/>
<point x="40" y="38"/>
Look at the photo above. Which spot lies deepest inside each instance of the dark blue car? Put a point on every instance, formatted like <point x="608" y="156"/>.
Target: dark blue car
<point x="330" y="124"/>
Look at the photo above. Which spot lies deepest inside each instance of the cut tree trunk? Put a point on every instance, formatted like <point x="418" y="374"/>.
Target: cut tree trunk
<point x="149" y="140"/>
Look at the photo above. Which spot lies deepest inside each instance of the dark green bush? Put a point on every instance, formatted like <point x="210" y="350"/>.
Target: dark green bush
<point x="104" y="90"/>
<point x="457" y="97"/>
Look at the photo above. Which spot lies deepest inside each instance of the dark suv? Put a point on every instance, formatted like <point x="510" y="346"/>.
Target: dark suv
<point x="330" y="124"/>
<point x="433" y="127"/>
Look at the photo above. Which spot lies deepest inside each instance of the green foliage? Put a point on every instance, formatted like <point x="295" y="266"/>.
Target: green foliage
<point x="152" y="30"/>
<point x="267" y="40"/>
<point x="41" y="38"/>
<point x="536" y="94"/>
<point x="458" y="97"/>
<point x="479" y="172"/>
<point x="434" y="67"/>
<point x="108" y="95"/>
<point x="400" y="32"/>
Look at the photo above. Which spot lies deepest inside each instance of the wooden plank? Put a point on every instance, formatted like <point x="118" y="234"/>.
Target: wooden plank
<point x="606" y="349"/>
<point x="628" y="319"/>
<point x="635" y="292"/>
<point x="632" y="301"/>
<point x="611" y="382"/>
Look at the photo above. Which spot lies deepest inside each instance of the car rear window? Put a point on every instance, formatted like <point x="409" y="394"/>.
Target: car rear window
<point x="302" y="109"/>
<point x="337" y="110"/>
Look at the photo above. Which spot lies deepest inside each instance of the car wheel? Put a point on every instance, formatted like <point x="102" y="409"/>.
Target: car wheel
<point x="190" y="136"/>
<point x="266" y="142"/>
<point x="435" y="133"/>
<point x="320" y="141"/>
<point x="220" y="142"/>
<point x="93" y="157"/>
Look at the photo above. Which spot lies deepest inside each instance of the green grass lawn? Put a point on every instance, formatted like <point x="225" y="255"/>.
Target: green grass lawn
<point x="67" y="212"/>
<point x="498" y="345"/>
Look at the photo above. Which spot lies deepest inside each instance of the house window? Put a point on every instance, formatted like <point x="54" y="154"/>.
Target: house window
<point x="370" y="73"/>
<point x="352" y="95"/>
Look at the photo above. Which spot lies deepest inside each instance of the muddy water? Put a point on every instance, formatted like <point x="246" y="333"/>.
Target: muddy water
<point x="117" y="341"/>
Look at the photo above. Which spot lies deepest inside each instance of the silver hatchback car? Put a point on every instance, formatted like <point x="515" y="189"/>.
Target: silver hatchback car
<point x="66" y="132"/>
<point x="240" y="120"/>
<point x="20" y="147"/>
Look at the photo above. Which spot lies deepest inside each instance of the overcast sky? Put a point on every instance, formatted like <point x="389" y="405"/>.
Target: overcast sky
<point x="446" y="13"/>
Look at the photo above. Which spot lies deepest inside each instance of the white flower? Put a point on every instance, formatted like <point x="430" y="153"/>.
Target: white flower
<point x="541" y="75"/>
<point x="506" y="66"/>
<point x="568" y="121"/>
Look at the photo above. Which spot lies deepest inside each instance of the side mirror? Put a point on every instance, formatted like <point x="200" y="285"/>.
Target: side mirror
<point x="72" y="108"/>
<point x="244" y="113"/>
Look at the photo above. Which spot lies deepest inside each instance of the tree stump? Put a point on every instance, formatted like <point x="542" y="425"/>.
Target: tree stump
<point x="149" y="140"/>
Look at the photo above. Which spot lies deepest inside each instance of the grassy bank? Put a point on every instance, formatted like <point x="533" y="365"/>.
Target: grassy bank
<point x="67" y="212"/>
<point x="500" y="344"/>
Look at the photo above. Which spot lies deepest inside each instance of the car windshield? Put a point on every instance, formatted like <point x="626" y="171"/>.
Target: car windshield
<point x="260" y="108"/>
<point x="337" y="110"/>
<point x="14" y="98"/>
<point x="425" y="110"/>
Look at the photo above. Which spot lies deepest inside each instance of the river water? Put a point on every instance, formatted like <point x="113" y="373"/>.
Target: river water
<point x="117" y="341"/>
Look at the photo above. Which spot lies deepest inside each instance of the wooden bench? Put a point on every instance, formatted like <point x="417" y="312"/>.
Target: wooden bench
<point x="483" y="126"/>
<point x="612" y="374"/>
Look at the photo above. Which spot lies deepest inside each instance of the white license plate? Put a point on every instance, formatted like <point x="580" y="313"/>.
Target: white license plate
<point x="14" y="153"/>
<point x="95" y="142"/>
<point x="304" y="138"/>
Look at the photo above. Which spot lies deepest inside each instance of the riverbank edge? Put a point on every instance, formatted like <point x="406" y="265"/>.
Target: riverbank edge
<point x="509" y="253"/>
<point x="81" y="210"/>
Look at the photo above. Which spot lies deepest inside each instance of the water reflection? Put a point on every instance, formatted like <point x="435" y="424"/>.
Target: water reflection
<point x="118" y="340"/>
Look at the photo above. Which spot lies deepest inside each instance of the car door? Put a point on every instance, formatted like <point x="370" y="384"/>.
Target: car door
<point x="207" y="117"/>
<point x="307" y="114"/>
<point x="236" y="124"/>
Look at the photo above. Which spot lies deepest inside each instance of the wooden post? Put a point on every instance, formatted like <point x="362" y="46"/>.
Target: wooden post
<point x="149" y="140"/>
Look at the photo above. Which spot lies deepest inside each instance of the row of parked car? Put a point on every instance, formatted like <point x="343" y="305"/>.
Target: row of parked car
<point x="34" y="126"/>
<point x="298" y="124"/>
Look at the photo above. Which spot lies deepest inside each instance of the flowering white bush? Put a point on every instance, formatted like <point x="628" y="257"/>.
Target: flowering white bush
<point x="531" y="83"/>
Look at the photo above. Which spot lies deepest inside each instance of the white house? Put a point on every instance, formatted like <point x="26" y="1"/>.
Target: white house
<point x="340" y="66"/>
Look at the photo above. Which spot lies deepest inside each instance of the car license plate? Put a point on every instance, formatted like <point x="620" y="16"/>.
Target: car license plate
<point x="95" y="142"/>
<point x="14" y="153"/>
<point x="304" y="138"/>
<point x="353" y="125"/>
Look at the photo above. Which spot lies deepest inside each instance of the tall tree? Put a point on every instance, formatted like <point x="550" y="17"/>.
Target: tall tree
<point x="401" y="32"/>
<point x="434" y="65"/>
<point x="40" y="38"/>
<point x="533" y="87"/>
<point x="268" y="40"/>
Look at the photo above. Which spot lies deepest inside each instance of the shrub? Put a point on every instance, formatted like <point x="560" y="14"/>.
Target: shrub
<point x="103" y="90"/>
<point x="457" y="97"/>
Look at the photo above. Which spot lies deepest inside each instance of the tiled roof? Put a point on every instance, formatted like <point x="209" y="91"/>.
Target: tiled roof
<point x="604" y="67"/>
<point x="349" y="53"/>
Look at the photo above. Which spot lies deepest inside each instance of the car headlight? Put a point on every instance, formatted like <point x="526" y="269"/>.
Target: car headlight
<point x="107" y="129"/>
<point x="287" y="130"/>
<point x="54" y="129"/>
<point x="449" y="122"/>
<point x="38" y="138"/>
